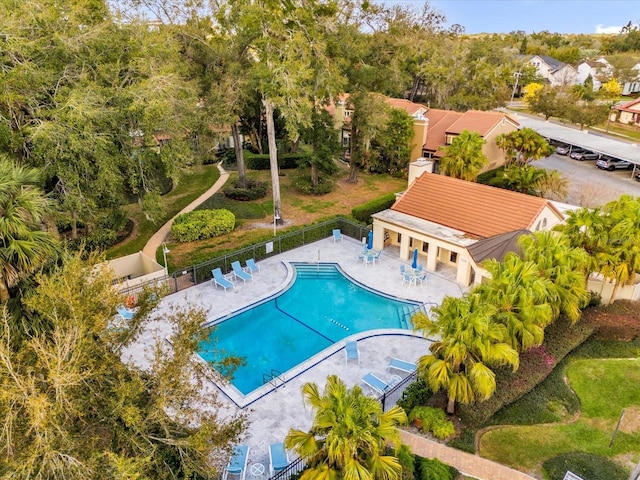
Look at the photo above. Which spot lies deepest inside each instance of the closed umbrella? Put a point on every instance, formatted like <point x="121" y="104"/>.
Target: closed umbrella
<point x="415" y="259"/>
<point x="370" y="240"/>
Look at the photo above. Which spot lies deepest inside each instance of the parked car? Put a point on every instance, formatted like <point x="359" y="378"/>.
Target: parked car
<point x="638" y="176"/>
<point x="563" y="149"/>
<point x="609" y="163"/>
<point x="584" y="155"/>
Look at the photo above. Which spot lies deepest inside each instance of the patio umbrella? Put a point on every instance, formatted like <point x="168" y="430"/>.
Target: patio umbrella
<point x="415" y="259"/>
<point x="370" y="240"/>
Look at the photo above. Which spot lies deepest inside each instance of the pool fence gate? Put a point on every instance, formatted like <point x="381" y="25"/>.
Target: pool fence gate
<point x="187" y="277"/>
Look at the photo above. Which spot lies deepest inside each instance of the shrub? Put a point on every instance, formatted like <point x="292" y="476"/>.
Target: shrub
<point x="200" y="224"/>
<point x="560" y="338"/>
<point x="302" y="183"/>
<point x="418" y="393"/>
<point x="433" y="420"/>
<point x="434" y="469"/>
<point x="465" y="441"/>
<point x="363" y="212"/>
<point x="407" y="460"/>
<point x="585" y="465"/>
<point x="254" y="191"/>
<point x="260" y="161"/>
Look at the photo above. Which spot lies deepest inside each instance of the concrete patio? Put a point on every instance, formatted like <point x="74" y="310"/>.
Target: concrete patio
<point x="274" y="411"/>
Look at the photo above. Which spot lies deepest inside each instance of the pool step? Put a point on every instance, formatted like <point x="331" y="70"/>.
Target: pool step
<point x="317" y="271"/>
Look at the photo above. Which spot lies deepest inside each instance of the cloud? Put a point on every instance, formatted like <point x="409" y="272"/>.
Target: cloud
<point x="602" y="29"/>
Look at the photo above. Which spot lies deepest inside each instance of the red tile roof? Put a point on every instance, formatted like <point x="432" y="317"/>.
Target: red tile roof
<point x="478" y="210"/>
<point x="443" y="122"/>
<point x="631" y="106"/>
<point x="410" y="107"/>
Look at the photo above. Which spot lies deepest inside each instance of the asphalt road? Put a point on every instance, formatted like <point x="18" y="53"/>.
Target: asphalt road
<point x="589" y="186"/>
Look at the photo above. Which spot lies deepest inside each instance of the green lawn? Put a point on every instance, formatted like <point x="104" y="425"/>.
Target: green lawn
<point x="605" y="387"/>
<point x="190" y="186"/>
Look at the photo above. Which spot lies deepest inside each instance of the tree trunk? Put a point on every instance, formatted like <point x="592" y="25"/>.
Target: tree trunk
<point x="4" y="291"/>
<point x="451" y="406"/>
<point x="74" y="226"/>
<point x="353" y="165"/>
<point x="237" y="146"/>
<point x="273" y="161"/>
<point x="314" y="173"/>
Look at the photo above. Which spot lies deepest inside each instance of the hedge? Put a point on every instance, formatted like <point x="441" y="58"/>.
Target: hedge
<point x="535" y="365"/>
<point x="200" y="224"/>
<point x="363" y="212"/>
<point x="585" y="465"/>
<point x="434" y="469"/>
<point x="254" y="191"/>
<point x="260" y="161"/>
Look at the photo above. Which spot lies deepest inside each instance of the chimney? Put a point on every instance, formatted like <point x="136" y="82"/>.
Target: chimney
<point x="418" y="167"/>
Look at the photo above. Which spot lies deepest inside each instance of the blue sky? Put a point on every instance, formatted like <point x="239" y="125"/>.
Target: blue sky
<point x="559" y="16"/>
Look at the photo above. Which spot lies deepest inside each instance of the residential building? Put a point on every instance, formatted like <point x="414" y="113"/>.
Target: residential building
<point x="629" y="112"/>
<point x="445" y="125"/>
<point x="555" y="72"/>
<point x="600" y="72"/>
<point x="457" y="224"/>
<point x="433" y="129"/>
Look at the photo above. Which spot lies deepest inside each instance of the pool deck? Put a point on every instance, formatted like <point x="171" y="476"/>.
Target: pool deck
<point x="274" y="413"/>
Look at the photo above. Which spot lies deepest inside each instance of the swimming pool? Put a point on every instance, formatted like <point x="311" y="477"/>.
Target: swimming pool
<point x="320" y="308"/>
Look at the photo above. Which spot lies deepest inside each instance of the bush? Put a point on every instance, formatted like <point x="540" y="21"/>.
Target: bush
<point x="407" y="461"/>
<point x="417" y="393"/>
<point x="363" y="212"/>
<point x="434" y="469"/>
<point x="465" y="441"/>
<point x="433" y="420"/>
<point x="560" y="338"/>
<point x="585" y="465"/>
<point x="254" y="191"/>
<point x="302" y="183"/>
<point x="260" y="161"/>
<point x="200" y="224"/>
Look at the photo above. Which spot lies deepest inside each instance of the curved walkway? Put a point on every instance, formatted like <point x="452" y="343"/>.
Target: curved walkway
<point x="466" y="463"/>
<point x="156" y="240"/>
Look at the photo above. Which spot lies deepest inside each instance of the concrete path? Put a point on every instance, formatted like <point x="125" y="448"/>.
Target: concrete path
<point x="467" y="463"/>
<point x="156" y="240"/>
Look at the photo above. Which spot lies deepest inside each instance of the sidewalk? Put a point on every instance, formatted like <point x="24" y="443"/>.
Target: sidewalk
<point x="466" y="463"/>
<point x="156" y="240"/>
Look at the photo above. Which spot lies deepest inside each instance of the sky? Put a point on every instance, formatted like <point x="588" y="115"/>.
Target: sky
<point x="555" y="16"/>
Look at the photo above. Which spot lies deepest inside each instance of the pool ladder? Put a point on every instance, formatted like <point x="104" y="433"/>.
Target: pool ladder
<point x="274" y="378"/>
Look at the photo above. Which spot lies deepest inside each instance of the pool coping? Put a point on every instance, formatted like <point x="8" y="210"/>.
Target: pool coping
<point x="241" y="400"/>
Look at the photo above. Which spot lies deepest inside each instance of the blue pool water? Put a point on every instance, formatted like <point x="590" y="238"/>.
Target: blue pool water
<point x="320" y="308"/>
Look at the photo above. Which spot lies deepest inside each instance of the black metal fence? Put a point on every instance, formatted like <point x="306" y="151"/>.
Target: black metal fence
<point x="196" y="274"/>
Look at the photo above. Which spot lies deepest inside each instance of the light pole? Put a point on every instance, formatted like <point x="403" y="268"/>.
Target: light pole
<point x="515" y="87"/>
<point x="165" y="250"/>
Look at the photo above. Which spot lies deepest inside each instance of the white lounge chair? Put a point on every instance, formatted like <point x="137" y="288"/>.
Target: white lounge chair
<point x="278" y="458"/>
<point x="251" y="267"/>
<point x="402" y="365"/>
<point x="376" y="384"/>
<point x="351" y="349"/>
<point x="218" y="279"/>
<point x="239" y="272"/>
<point x="238" y="463"/>
<point x="337" y="235"/>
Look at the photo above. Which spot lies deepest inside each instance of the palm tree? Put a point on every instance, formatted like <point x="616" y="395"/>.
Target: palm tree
<point x="464" y="158"/>
<point x="24" y="246"/>
<point x="565" y="267"/>
<point x="521" y="298"/>
<point x="348" y="435"/>
<point x="470" y="342"/>
<point x="524" y="145"/>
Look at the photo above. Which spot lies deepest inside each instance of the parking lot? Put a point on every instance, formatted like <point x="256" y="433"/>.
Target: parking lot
<point x="590" y="186"/>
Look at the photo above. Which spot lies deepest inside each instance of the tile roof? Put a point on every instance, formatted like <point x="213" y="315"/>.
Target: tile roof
<point x="410" y="107"/>
<point x="627" y="107"/>
<point x="480" y="122"/>
<point x="443" y="122"/>
<point x="478" y="210"/>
